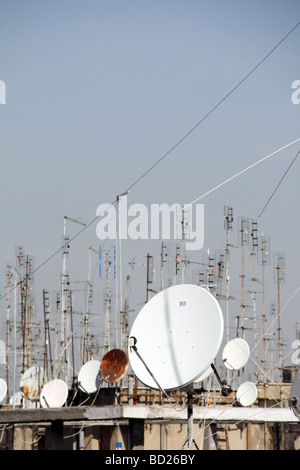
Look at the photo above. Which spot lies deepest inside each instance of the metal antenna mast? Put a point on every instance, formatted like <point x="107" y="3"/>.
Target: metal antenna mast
<point x="89" y="301"/>
<point x="108" y="263"/>
<point x="279" y="278"/>
<point x="209" y="260"/>
<point x="243" y="240"/>
<point x="162" y="261"/>
<point x="125" y="311"/>
<point x="220" y="274"/>
<point x="65" y="289"/>
<point x="121" y="234"/>
<point x="228" y="225"/>
<point x="47" y="343"/>
<point x="264" y="259"/>
<point x="150" y="276"/>
<point x="8" y="277"/>
<point x="254" y="248"/>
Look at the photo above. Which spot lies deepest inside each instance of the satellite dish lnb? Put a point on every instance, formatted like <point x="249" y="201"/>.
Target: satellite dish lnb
<point x="114" y="365"/>
<point x="294" y="401"/>
<point x="175" y="337"/>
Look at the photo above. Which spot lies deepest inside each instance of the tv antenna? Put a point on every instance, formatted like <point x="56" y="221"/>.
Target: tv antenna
<point x="228" y="225"/>
<point x="89" y="301"/>
<point x="65" y="285"/>
<point x="254" y="251"/>
<point x="47" y="342"/>
<point x="243" y="240"/>
<point x="264" y="256"/>
<point x="125" y="311"/>
<point x="108" y="265"/>
<point x="220" y="275"/>
<point x="150" y="276"/>
<point x="209" y="260"/>
<point x="279" y="278"/>
<point x="163" y="256"/>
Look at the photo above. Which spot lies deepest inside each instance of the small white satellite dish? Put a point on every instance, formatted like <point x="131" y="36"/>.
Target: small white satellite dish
<point x="3" y="389"/>
<point x="294" y="401"/>
<point x="176" y="337"/>
<point x="89" y="377"/>
<point x="16" y="398"/>
<point x="31" y="382"/>
<point x="246" y="394"/>
<point x="236" y="354"/>
<point x="54" y="394"/>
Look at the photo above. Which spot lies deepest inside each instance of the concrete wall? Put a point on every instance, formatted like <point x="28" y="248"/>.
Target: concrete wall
<point x="138" y="435"/>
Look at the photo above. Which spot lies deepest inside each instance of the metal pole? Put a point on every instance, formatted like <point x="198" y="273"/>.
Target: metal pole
<point x="190" y="417"/>
<point x="7" y="332"/>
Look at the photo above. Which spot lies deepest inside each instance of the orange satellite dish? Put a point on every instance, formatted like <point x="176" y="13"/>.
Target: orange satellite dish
<point x="114" y="365"/>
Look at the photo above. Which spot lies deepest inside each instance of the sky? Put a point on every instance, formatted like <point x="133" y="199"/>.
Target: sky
<point x="97" y="92"/>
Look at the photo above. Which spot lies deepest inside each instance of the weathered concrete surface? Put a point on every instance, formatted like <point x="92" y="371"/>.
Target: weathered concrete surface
<point x="149" y="412"/>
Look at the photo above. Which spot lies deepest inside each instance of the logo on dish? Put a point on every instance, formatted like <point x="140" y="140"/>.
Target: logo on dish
<point x="135" y="222"/>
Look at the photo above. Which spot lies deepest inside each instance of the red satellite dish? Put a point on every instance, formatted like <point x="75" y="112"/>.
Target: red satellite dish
<point x="114" y="365"/>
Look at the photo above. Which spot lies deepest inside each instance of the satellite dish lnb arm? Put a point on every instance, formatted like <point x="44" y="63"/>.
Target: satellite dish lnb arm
<point x="225" y="389"/>
<point x="132" y="345"/>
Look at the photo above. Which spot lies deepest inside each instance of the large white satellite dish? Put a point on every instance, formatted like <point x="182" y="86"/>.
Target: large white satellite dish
<point x="236" y="354"/>
<point x="54" y="394"/>
<point x="294" y="401"/>
<point x="31" y="382"/>
<point x="3" y="389"/>
<point x="175" y="337"/>
<point x="246" y="393"/>
<point x="89" y="377"/>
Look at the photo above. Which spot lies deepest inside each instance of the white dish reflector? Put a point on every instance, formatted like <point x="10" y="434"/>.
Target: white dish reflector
<point x="236" y="354"/>
<point x="177" y="334"/>
<point x="246" y="394"/>
<point x="89" y="377"/>
<point x="54" y="394"/>
<point x="3" y="389"/>
<point x="31" y="382"/>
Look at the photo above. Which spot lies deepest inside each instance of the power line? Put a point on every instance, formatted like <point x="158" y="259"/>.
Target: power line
<point x="215" y="107"/>
<point x="172" y="148"/>
<point x="241" y="172"/>
<point x="279" y="183"/>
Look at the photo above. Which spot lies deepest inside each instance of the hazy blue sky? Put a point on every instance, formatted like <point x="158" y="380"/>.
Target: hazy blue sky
<point x="97" y="91"/>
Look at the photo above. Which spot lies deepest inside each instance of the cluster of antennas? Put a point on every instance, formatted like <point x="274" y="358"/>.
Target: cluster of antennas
<point x="173" y="344"/>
